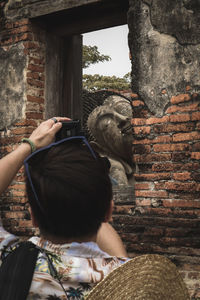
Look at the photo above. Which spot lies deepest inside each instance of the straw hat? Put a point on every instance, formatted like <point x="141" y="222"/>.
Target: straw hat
<point x="146" y="277"/>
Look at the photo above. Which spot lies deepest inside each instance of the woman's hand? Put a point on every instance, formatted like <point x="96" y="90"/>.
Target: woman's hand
<point x="44" y="134"/>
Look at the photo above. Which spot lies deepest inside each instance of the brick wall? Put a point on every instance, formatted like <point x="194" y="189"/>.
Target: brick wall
<point x="14" y="203"/>
<point x="165" y="217"/>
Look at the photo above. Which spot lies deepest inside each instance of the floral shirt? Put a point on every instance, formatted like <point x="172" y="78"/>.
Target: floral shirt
<point x="80" y="266"/>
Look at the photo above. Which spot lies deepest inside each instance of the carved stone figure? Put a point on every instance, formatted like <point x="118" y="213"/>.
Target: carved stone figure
<point x="110" y="126"/>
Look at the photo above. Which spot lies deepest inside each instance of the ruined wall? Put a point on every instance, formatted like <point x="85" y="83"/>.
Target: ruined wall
<point x="22" y="75"/>
<point x="164" y="43"/>
<point x="165" y="217"/>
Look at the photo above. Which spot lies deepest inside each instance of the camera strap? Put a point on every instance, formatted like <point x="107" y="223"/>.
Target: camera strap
<point x="16" y="271"/>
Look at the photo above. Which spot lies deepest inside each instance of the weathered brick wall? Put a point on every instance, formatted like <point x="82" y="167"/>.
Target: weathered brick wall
<point x="165" y="216"/>
<point x="22" y="34"/>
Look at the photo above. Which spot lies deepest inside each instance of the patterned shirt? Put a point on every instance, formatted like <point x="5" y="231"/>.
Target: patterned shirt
<point x="80" y="266"/>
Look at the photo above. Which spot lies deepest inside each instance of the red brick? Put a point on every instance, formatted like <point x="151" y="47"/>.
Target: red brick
<point x="17" y="207"/>
<point x="10" y="140"/>
<point x="151" y="158"/>
<point x="174" y="127"/>
<point x="180" y="98"/>
<point x="33" y="107"/>
<point x="34" y="115"/>
<point x="142" y="130"/>
<point x="22" y="130"/>
<point x="14" y="215"/>
<point x="35" y="83"/>
<point x="18" y="187"/>
<point x="25" y="122"/>
<point x="141" y="142"/>
<point x="25" y="223"/>
<point x="33" y="75"/>
<point x="186" y="136"/>
<point x="18" y="193"/>
<point x="143" y="202"/>
<point x="171" y="147"/>
<point x="35" y="92"/>
<point x="195" y="155"/>
<point x="181" y="203"/>
<point x="180" y="232"/>
<point x="159" y="186"/>
<point x="195" y="116"/>
<point x="153" y="177"/>
<point x="164" y="92"/>
<point x="164" y="119"/>
<point x="141" y="149"/>
<point x="134" y="96"/>
<point x="179" y="118"/>
<point x="142" y="186"/>
<point x="185" y="108"/>
<point x="179" y="186"/>
<point x="154" y="232"/>
<point x="151" y="194"/>
<point x="35" y="99"/>
<point x="23" y="37"/>
<point x="162" y="139"/>
<point x="36" y="61"/>
<point x="31" y="45"/>
<point x="36" y="68"/>
<point x="159" y="167"/>
<point x="188" y="88"/>
<point x="21" y="29"/>
<point x="182" y="176"/>
<point x="138" y="121"/>
<point x="22" y="22"/>
<point x="137" y="103"/>
<point x="125" y="209"/>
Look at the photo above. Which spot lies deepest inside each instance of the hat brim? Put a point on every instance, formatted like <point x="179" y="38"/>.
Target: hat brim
<point x="145" y="277"/>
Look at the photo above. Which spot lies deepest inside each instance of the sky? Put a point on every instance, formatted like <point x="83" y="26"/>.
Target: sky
<point x="113" y="42"/>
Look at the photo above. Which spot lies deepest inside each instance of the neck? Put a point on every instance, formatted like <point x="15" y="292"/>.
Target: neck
<point x="63" y="240"/>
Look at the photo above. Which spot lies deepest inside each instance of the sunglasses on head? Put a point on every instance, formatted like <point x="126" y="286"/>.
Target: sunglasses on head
<point x="30" y="160"/>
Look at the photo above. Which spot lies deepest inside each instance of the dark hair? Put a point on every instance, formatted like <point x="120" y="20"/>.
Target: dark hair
<point x="73" y="188"/>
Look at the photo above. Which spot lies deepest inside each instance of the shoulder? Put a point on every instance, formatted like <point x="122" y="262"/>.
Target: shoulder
<point x="6" y="239"/>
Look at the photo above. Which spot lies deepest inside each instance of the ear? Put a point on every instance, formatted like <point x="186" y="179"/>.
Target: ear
<point x="108" y="217"/>
<point x="34" y="221"/>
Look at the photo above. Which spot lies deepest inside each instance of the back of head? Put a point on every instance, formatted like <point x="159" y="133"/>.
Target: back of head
<point x="73" y="188"/>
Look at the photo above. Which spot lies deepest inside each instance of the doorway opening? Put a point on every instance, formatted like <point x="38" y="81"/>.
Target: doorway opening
<point x="64" y="39"/>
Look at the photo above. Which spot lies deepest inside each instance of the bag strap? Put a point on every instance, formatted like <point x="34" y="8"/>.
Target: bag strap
<point x="16" y="271"/>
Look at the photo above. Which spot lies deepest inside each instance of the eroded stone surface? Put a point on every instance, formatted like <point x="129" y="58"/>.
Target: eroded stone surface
<point x="15" y="9"/>
<point x="177" y="18"/>
<point x="12" y="83"/>
<point x="162" y="67"/>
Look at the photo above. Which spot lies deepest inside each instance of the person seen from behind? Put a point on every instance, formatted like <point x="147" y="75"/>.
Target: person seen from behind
<point x="70" y="196"/>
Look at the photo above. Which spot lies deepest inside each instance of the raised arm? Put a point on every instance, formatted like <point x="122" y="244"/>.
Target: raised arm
<point x="42" y="136"/>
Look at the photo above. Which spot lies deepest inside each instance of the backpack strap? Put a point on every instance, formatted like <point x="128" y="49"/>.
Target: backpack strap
<point x="16" y="271"/>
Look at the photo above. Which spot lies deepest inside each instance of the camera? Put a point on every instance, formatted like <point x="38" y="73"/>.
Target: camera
<point x="68" y="129"/>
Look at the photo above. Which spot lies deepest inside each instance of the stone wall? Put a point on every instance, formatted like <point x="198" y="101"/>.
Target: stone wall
<point x="164" y="216"/>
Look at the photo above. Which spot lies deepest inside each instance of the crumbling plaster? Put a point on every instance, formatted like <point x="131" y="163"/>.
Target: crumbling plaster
<point x="15" y="9"/>
<point x="12" y="81"/>
<point x="162" y="66"/>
